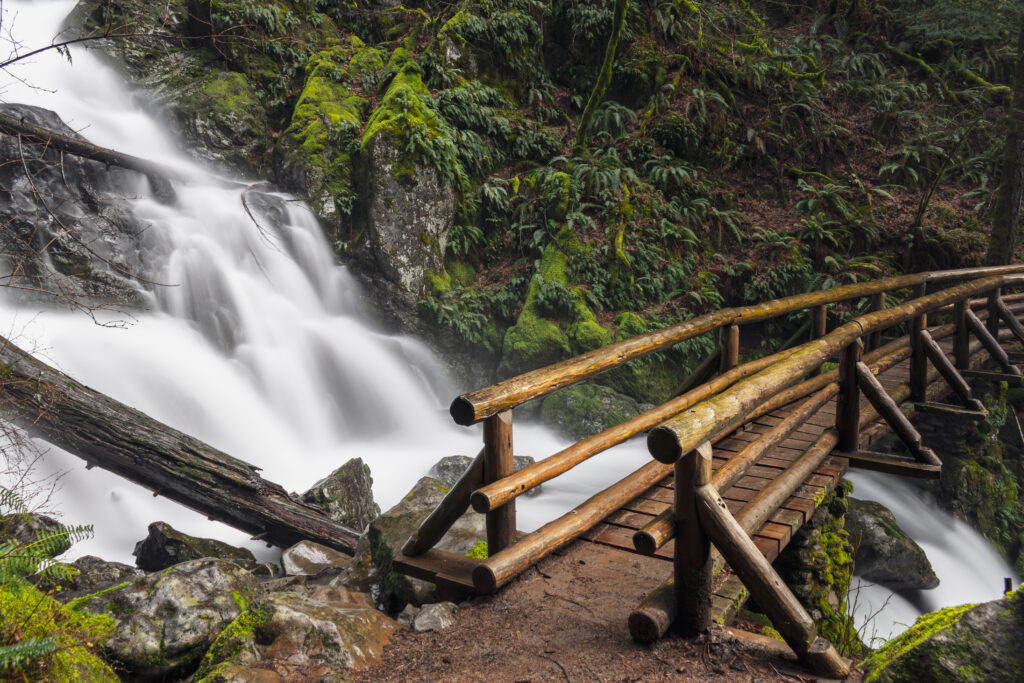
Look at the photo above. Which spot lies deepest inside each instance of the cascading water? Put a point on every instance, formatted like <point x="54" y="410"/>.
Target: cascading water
<point x="969" y="569"/>
<point x="254" y="344"/>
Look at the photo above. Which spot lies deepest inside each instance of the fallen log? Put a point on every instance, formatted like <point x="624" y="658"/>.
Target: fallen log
<point x="108" y="434"/>
<point x="12" y="125"/>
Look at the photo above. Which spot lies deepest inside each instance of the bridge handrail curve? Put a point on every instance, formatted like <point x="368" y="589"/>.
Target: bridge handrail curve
<point x="472" y="407"/>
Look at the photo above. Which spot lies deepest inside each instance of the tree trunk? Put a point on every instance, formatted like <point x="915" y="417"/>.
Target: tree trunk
<point x="1006" y="219"/>
<point x="605" y="76"/>
<point x="111" y="435"/>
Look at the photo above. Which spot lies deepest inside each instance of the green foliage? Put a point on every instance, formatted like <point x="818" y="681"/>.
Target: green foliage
<point x="40" y="639"/>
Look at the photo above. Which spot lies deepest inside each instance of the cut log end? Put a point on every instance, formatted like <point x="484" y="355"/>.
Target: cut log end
<point x="645" y="543"/>
<point x="463" y="412"/>
<point x="647" y="625"/>
<point x="481" y="502"/>
<point x="484" y="580"/>
<point x="663" y="444"/>
<point x="825" y="661"/>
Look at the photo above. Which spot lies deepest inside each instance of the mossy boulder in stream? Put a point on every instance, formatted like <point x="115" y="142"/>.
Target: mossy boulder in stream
<point x="884" y="553"/>
<point x="958" y="644"/>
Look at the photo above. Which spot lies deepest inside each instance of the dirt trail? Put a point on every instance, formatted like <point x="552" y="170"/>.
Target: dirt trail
<point x="565" y="620"/>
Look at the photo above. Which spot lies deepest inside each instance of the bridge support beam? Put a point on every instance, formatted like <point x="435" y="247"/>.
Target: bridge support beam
<point x="786" y="613"/>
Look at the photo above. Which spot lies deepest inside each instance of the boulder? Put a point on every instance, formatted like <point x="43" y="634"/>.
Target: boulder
<point x="165" y="546"/>
<point x="25" y="528"/>
<point x="307" y="558"/>
<point x="346" y="495"/>
<point x="95" y="575"/>
<point x="963" y="644"/>
<point x="883" y="552"/>
<point x="407" y="203"/>
<point x="331" y="625"/>
<point x="164" y="622"/>
<point x="69" y="229"/>
<point x="586" y="409"/>
<point x="450" y="468"/>
<point x="371" y="568"/>
<point x="435" y="617"/>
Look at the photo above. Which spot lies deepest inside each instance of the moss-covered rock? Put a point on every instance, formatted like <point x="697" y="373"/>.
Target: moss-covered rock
<point x="346" y="495"/>
<point x="651" y="379"/>
<point x="408" y="193"/>
<point x="371" y="568"/>
<point x="221" y="110"/>
<point x="965" y="643"/>
<point x="29" y="614"/>
<point x="315" y="155"/>
<point x="884" y="553"/>
<point x="584" y="409"/>
<point x="817" y="565"/>
<point x="165" y="546"/>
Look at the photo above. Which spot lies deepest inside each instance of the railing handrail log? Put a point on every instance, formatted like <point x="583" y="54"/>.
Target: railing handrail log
<point x="498" y="493"/>
<point x="686" y="431"/>
<point x="474" y="406"/>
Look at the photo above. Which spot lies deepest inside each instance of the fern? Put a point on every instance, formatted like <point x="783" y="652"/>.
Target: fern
<point x="18" y="655"/>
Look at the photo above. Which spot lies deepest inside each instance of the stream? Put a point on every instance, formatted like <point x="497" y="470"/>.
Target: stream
<point x="256" y="343"/>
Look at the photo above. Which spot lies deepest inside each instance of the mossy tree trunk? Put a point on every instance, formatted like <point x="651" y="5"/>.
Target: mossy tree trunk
<point x="605" y="76"/>
<point x="1006" y="219"/>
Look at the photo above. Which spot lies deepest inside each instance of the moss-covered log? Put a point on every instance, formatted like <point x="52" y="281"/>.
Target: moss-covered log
<point x="127" y="442"/>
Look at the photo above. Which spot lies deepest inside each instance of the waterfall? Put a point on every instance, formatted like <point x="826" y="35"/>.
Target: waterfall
<point x="253" y="342"/>
<point x="969" y="569"/>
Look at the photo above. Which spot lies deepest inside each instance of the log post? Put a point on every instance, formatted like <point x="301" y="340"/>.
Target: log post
<point x="730" y="345"/>
<point x="962" y="340"/>
<point x="692" y="559"/>
<point x="918" y="360"/>
<point x="877" y="304"/>
<point x="848" y="409"/>
<point x="501" y="522"/>
<point x="993" y="312"/>
<point x="819" y="325"/>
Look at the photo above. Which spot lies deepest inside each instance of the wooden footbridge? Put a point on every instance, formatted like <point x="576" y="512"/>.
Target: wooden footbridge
<point x="743" y="457"/>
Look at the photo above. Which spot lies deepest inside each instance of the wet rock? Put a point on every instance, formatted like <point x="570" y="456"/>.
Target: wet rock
<point x="165" y="546"/>
<point x="328" y="624"/>
<point x="95" y="575"/>
<point x="68" y="227"/>
<point x="585" y="409"/>
<point x="307" y="558"/>
<point x="164" y="622"/>
<point x="25" y="528"/>
<point x="449" y="469"/>
<point x="371" y="567"/>
<point x="346" y="495"/>
<point x="884" y="553"/>
<point x="967" y="643"/>
<point x="435" y="617"/>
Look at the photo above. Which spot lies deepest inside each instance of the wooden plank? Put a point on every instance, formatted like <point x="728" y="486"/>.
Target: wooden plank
<point x="434" y="565"/>
<point x="646" y="506"/>
<point x="728" y="600"/>
<point x="628" y="519"/>
<point x="890" y="464"/>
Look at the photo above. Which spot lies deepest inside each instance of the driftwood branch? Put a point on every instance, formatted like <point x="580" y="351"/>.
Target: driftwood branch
<point x="108" y="434"/>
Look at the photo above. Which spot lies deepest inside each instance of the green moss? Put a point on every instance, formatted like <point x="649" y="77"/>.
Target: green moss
<point x="233" y="639"/>
<point x="322" y="134"/>
<point x="478" y="551"/>
<point x="29" y="614"/>
<point x="926" y="626"/>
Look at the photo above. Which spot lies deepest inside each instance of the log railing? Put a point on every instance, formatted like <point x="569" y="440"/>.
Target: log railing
<point x="709" y="412"/>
